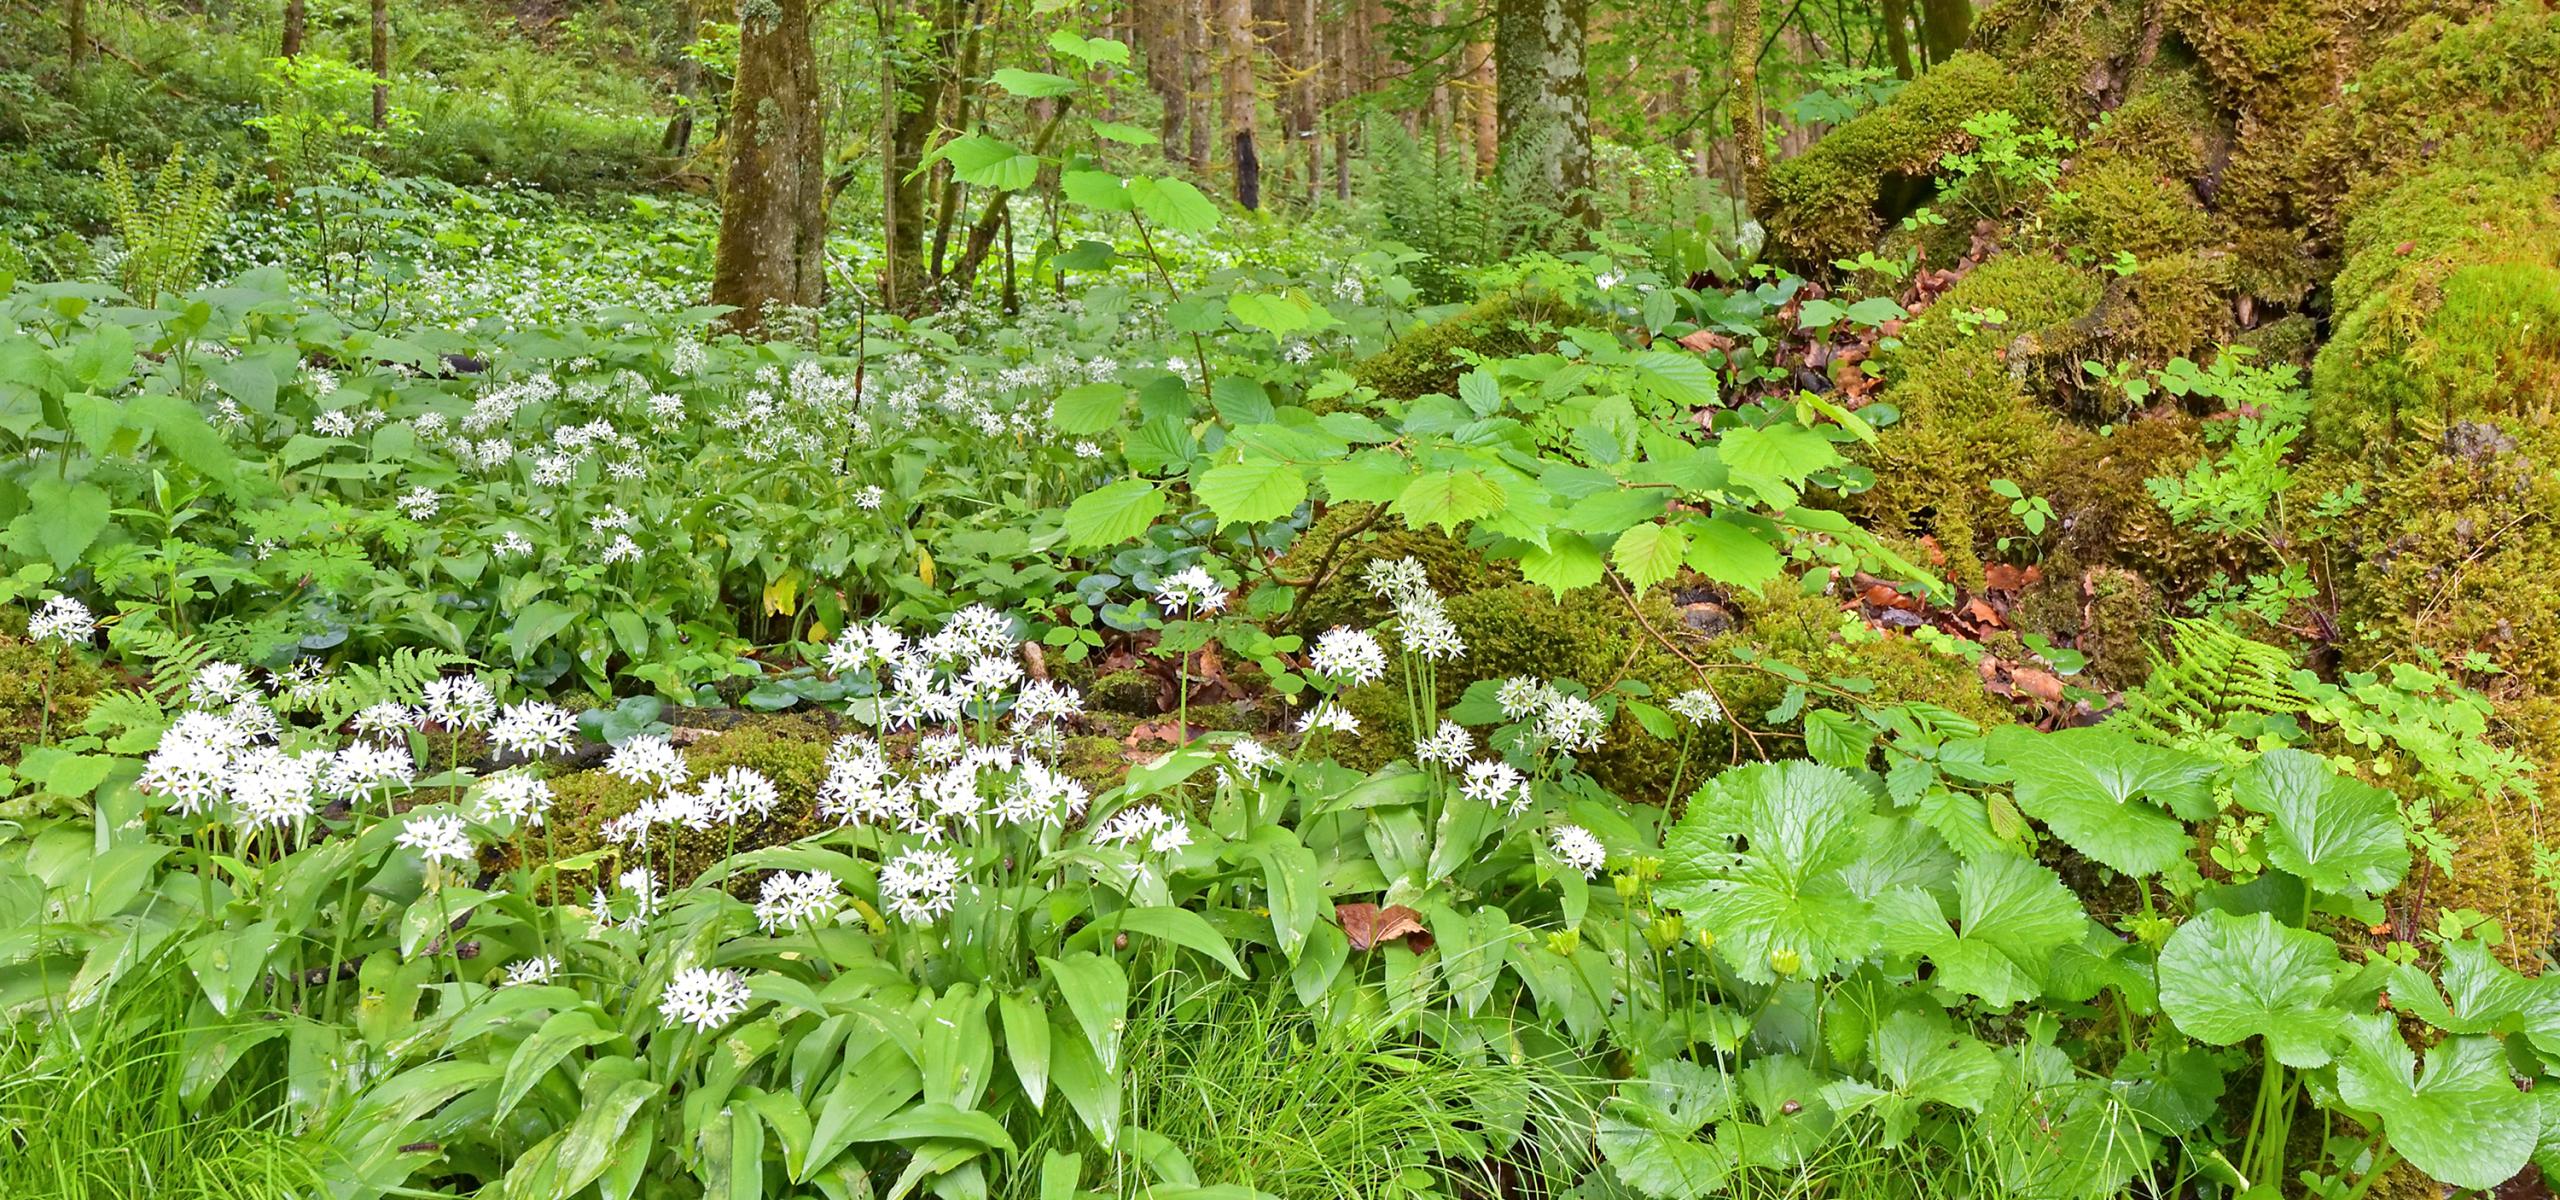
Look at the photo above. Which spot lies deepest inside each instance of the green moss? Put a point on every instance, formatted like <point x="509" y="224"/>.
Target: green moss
<point x="29" y="674"/>
<point x="1963" y="397"/>
<point x="2167" y="308"/>
<point x="1425" y="359"/>
<point x="2104" y="511"/>
<point x="2110" y="614"/>
<point x="1341" y="598"/>
<point x="2445" y="93"/>
<point x="2450" y="310"/>
<point x="2116" y="202"/>
<point x="791" y="751"/>
<point x="1825" y="203"/>
<point x="1810" y="632"/>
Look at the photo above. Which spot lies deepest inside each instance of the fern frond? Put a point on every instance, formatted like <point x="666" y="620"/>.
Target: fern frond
<point x="2209" y="675"/>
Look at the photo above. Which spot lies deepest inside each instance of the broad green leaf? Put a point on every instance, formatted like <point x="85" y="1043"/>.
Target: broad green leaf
<point x="1926" y="1059"/>
<point x="1173" y="204"/>
<point x="1567" y="562"/>
<point x="2226" y="979"/>
<point x="1683" y="379"/>
<point x="2479" y="994"/>
<point x="1373" y="476"/>
<point x="2012" y="914"/>
<point x="537" y="623"/>
<point x="1098" y="190"/>
<point x="1607" y="512"/>
<point x="1781" y="901"/>
<point x="2098" y="789"/>
<point x="1732" y="555"/>
<point x="1097" y="994"/>
<point x="1033" y="84"/>
<point x="1649" y="554"/>
<point x="1272" y="313"/>
<point x="68" y="518"/>
<point x="1114" y="513"/>
<point x="1648" y="1131"/>
<point x="2337" y="834"/>
<point x="1026" y="1041"/>
<point x="2460" y="1120"/>
<point x="563" y="1034"/>
<point x="1447" y="498"/>
<point x="1182" y="927"/>
<point x="990" y="162"/>
<point x="1777" y="459"/>
<point x="1251" y="491"/>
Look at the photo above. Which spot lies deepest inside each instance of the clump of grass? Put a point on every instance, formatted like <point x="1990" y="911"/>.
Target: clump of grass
<point x="98" y="1108"/>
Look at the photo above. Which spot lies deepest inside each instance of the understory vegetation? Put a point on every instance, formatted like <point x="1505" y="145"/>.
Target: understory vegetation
<point x="812" y="602"/>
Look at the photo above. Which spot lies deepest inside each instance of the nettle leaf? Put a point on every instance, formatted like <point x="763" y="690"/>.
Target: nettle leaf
<point x="1110" y="515"/>
<point x="1251" y="491"/>
<point x="2461" y="1120"/>
<point x="2337" y="834"/>
<point x="2012" y="914"/>
<point x="2084" y="784"/>
<point x="1776" y="460"/>
<point x="1783" y="900"/>
<point x="1649" y="554"/>
<point x="1033" y="84"/>
<point x="1648" y="1131"/>
<point x="2226" y="979"/>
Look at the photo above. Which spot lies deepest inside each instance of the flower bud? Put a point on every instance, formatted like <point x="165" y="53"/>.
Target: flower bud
<point x="1785" y="961"/>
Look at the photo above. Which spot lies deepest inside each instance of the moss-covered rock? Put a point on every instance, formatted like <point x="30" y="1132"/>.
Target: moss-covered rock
<point x="2108" y="613"/>
<point x="35" y="680"/>
<point x="791" y="751"/>
<point x="1830" y="202"/>
<point x="1366" y="535"/>
<point x="1961" y="388"/>
<point x="2103" y="510"/>
<point x="1426" y="359"/>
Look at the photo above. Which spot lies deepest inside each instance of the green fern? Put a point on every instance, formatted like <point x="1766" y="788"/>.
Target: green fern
<point x="2209" y="675"/>
<point x="401" y="678"/>
<point x="173" y="658"/>
<point x="164" y="229"/>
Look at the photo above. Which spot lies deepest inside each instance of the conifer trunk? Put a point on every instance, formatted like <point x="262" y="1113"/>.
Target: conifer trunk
<point x="295" y="16"/>
<point x="1239" y="100"/>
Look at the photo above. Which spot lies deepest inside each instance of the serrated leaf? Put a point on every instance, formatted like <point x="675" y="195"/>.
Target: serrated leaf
<point x="1173" y="204"/>
<point x="2226" y="979"/>
<point x="2012" y="914"/>
<point x="1251" y="491"/>
<point x="1114" y="513"/>
<point x="1732" y="555"/>
<point x="1031" y="84"/>
<point x="1567" y="562"/>
<point x="2339" y="835"/>
<point x="1761" y="860"/>
<point x="2460" y="1120"/>
<point x="1088" y="408"/>
<point x="1447" y="498"/>
<point x="1649" y="554"/>
<point x="2102" y="792"/>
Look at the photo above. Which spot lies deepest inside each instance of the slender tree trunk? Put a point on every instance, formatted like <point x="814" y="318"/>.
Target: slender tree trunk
<point x="1159" y="25"/>
<point x="1197" y="42"/>
<point x="1746" y="103"/>
<point x="1896" y="15"/>
<point x="1484" y="124"/>
<point x="1240" y="97"/>
<point x="1944" y="26"/>
<point x="77" y="20"/>
<point x="294" y="18"/>
<point x="960" y="93"/>
<point x="773" y="217"/>
<point x="381" y="62"/>
<point x="679" y="135"/>
<point x="914" y="102"/>
<point x="1544" y="104"/>
<point x="1306" y="94"/>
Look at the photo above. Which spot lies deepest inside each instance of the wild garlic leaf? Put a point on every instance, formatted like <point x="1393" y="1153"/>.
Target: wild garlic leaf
<point x="2461" y="1120"/>
<point x="2225" y="979"/>
<point x="2338" y="834"/>
<point x="2102" y="792"/>
<point x="2012" y="914"/>
<point x="1782" y="903"/>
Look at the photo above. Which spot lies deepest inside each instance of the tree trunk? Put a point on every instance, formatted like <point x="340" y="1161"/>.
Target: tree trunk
<point x="1897" y="36"/>
<point x="1196" y="46"/>
<point x="679" y="135"/>
<point x="381" y="62"/>
<point x="959" y="93"/>
<point x="77" y="22"/>
<point x="773" y="217"/>
<point x="1481" y="107"/>
<point x="913" y="99"/>
<point x="294" y="17"/>
<point x="1544" y="112"/>
<point x="1240" y="97"/>
<point x="1747" y="134"/>
<point x="1944" y="25"/>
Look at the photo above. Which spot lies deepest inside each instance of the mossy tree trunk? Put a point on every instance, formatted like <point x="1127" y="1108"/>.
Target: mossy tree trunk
<point x="1543" y="109"/>
<point x="679" y="134"/>
<point x="1896" y="15"/>
<point x="76" y="23"/>
<point x="918" y="72"/>
<point x="1747" y="134"/>
<point x="773" y="218"/>
<point x="1944" y="26"/>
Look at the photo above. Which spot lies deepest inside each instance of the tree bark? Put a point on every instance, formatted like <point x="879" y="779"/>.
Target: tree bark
<point x="76" y="23"/>
<point x="679" y="135"/>
<point x="1483" y="124"/>
<point x="913" y="98"/>
<point x="1543" y="103"/>
<point x="773" y="218"/>
<point x="381" y="63"/>
<point x="1752" y="144"/>
<point x="1240" y="96"/>
<point x="295" y="16"/>
<point x="1897" y="36"/>
<point x="1944" y="26"/>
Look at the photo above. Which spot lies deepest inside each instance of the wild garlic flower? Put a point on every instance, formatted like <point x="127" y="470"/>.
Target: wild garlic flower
<point x="437" y="838"/>
<point x="622" y="550"/>
<point x="271" y="788"/>
<point x="733" y="793"/>
<point x="1520" y="696"/>
<point x="220" y="683"/>
<point x="360" y="767"/>
<point x="1496" y="784"/>
<point x="1042" y="702"/>
<point x="336" y="423"/>
<point x="1330" y="717"/>
<point x="63" y="620"/>
<point x="919" y="886"/>
<point x="389" y="719"/>
<point x="1144" y="827"/>
<point x="642" y="887"/>
<point x="1251" y="758"/>
<point x="1697" y="706"/>
<point x="1447" y="746"/>
<point x="527" y="971"/>
<point x="798" y="901"/>
<point x="1041" y="796"/>
<point x="1425" y="629"/>
<point x="650" y="760"/>
<point x="704" y="998"/>
<point x="189" y="771"/>
<point x="1571" y="723"/>
<point x="1346" y="655"/>
<point x="868" y="499"/>
<point x="1191" y="591"/>
<point x="1398" y="581"/>
<point x="420" y="503"/>
<point x="517" y="795"/>
<point x="534" y="728"/>
<point x="460" y="702"/>
<point x="511" y="544"/>
<point x="1578" y="849"/>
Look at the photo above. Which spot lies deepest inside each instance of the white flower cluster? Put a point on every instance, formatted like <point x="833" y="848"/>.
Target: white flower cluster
<point x="798" y="901"/>
<point x="224" y="751"/>
<point x="1579" y="849"/>
<point x="534" y="728"/>
<point x="950" y="795"/>
<point x="1697" y="706"/>
<point x="518" y="796"/>
<point x="1422" y="624"/>
<point x="1144" y="826"/>
<point x="1191" y="592"/>
<point x="1559" y="720"/>
<point x="920" y="885"/>
<point x="704" y="998"/>
<point x="62" y="620"/>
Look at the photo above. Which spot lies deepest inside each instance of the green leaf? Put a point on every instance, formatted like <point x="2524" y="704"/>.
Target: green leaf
<point x="1608" y="512"/>
<point x="1182" y="927"/>
<point x="1648" y="1131"/>
<point x="1923" y="1056"/>
<point x="1251" y="491"/>
<point x="535" y="624"/>
<point x="2226" y="979"/>
<point x="1569" y="561"/>
<point x="177" y="427"/>
<point x="68" y="518"/>
<point x="2012" y="914"/>
<point x="1026" y="1041"/>
<point x="1649" y="554"/>
<point x="1272" y="313"/>
<point x="1776" y="460"/>
<point x="1683" y="379"/>
<point x="1447" y="498"/>
<point x="2461" y="1120"/>
<point x="1761" y="860"/>
<point x="2084" y="784"/>
<point x="1374" y="476"/>
<point x="1173" y="204"/>
<point x="563" y="1034"/>
<point x="2338" y="834"/>
<point x="1123" y="133"/>
<point x="2479" y="994"/>
<point x="1033" y="84"/>
<point x="1732" y="555"/>
<point x="589" y="1144"/>
<point x="1088" y="408"/>
<point x="1114" y="513"/>
<point x="990" y="162"/>
<point x="1097" y="993"/>
<point x="1099" y="190"/>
